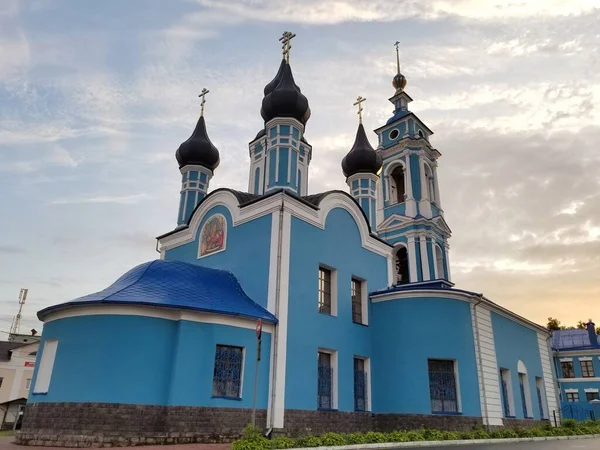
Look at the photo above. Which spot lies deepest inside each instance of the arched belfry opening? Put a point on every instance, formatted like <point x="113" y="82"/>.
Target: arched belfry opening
<point x="401" y="261"/>
<point x="397" y="185"/>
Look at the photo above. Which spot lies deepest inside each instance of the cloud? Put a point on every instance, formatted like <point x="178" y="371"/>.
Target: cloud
<point x="11" y="249"/>
<point x="121" y="200"/>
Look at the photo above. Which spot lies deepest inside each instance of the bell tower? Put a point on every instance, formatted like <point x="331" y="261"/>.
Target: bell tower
<point x="410" y="213"/>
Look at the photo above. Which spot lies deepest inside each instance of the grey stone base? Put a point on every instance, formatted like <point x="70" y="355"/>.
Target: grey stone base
<point x="114" y="424"/>
<point x="514" y="424"/>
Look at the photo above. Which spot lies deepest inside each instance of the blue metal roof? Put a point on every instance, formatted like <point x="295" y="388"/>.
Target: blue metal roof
<point x="573" y="340"/>
<point x="179" y="285"/>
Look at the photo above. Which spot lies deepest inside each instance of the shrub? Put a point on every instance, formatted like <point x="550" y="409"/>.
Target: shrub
<point x="467" y="435"/>
<point x="433" y="435"/>
<point x="374" y="437"/>
<point x="309" y="441"/>
<point x="282" y="443"/>
<point x="451" y="436"/>
<point x="397" y="436"/>
<point x="252" y="444"/>
<point x="331" y="439"/>
<point x="355" y="438"/>
<point x="481" y="434"/>
<point x="414" y="436"/>
<point x="569" y="423"/>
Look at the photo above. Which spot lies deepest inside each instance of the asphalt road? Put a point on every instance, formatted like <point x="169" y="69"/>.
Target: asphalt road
<point x="576" y="444"/>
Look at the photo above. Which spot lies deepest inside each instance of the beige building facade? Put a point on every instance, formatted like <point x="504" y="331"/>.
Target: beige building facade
<point x="17" y="362"/>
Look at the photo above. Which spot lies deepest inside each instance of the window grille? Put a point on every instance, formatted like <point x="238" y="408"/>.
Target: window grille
<point x="442" y="386"/>
<point x="360" y="385"/>
<point x="505" y="396"/>
<point x="324" y="291"/>
<point x="540" y="402"/>
<point x="589" y="396"/>
<point x="572" y="397"/>
<point x="325" y="382"/>
<point x="567" y="369"/>
<point x="587" y="369"/>
<point x="357" y="301"/>
<point x="228" y="371"/>
<point x="402" y="270"/>
<point x="523" y="397"/>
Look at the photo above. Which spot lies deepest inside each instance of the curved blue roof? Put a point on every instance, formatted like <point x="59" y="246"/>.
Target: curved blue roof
<point x="175" y="284"/>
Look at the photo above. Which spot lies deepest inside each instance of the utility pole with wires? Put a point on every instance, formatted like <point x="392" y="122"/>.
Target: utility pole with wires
<point x="16" y="323"/>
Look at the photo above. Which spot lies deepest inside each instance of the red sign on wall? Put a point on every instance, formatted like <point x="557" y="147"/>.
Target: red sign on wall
<point x="29" y="364"/>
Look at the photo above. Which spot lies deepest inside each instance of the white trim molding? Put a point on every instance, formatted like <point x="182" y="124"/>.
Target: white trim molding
<point x="590" y="390"/>
<point x="578" y="380"/>
<point x="550" y="387"/>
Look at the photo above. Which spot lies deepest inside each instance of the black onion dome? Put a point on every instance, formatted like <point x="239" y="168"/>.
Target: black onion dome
<point x="361" y="158"/>
<point x="275" y="81"/>
<point x="285" y="100"/>
<point x="198" y="150"/>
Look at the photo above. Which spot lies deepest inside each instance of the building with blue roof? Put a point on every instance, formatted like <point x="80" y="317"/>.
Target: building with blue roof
<point x="361" y="325"/>
<point x="577" y="364"/>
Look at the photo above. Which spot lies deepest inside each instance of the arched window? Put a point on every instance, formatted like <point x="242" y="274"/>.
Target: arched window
<point x="439" y="262"/>
<point x="401" y="260"/>
<point x="397" y="190"/>
<point x="420" y="134"/>
<point x="430" y="183"/>
<point x="257" y="181"/>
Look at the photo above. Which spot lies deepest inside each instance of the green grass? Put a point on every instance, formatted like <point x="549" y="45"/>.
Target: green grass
<point x="6" y="433"/>
<point x="254" y="440"/>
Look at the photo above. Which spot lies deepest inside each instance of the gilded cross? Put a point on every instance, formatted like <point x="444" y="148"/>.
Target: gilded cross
<point x="285" y="44"/>
<point x="359" y="101"/>
<point x="202" y="95"/>
<point x="397" y="44"/>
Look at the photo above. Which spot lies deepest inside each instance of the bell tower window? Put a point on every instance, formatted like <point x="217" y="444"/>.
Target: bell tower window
<point x="397" y="191"/>
<point x="439" y="262"/>
<point x="430" y="183"/>
<point x="401" y="260"/>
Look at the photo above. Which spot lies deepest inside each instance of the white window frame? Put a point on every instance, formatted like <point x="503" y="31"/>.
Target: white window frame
<point x="334" y="290"/>
<point x="364" y="299"/>
<point x="522" y="370"/>
<point x="539" y="384"/>
<point x="334" y="378"/>
<point x="46" y="367"/>
<point x="506" y="377"/>
<point x="438" y="263"/>
<point x="27" y="384"/>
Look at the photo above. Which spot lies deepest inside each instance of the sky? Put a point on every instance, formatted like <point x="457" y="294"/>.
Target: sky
<point x="95" y="97"/>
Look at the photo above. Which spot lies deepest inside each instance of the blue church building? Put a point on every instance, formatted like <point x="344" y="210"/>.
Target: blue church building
<point x="362" y="327"/>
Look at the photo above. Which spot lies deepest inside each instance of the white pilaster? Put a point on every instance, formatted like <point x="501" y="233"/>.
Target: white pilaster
<point x="436" y="188"/>
<point x="411" y="205"/>
<point x="550" y="387"/>
<point x="448" y="262"/>
<point x="424" y="258"/>
<point x="412" y="259"/>
<point x="424" y="203"/>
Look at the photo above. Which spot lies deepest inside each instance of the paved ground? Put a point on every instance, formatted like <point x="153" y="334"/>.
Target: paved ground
<point x="579" y="444"/>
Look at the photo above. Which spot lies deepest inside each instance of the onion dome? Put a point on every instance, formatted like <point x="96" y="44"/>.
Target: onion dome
<point x="286" y="99"/>
<point x="399" y="82"/>
<point x="275" y="81"/>
<point x="198" y="150"/>
<point x="361" y="158"/>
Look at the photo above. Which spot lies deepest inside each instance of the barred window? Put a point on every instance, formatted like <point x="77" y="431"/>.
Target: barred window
<point x="587" y="369"/>
<point x="524" y="403"/>
<point x="357" y="316"/>
<point x="442" y="386"/>
<point x="572" y="397"/>
<point x="324" y="290"/>
<point x="567" y="369"/>
<point x="325" y="381"/>
<point x="589" y="396"/>
<point x="227" y="378"/>
<point x="360" y="385"/>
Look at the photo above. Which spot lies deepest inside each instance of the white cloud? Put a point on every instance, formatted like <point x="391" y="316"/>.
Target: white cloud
<point x="122" y="200"/>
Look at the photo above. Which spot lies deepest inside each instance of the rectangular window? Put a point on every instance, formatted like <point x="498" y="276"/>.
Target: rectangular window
<point x="27" y="384"/>
<point x="1" y="380"/>
<point x="567" y="369"/>
<point x="587" y="369"/>
<point x="572" y="397"/>
<point x="325" y="381"/>
<point x="507" y="394"/>
<point x="442" y="386"/>
<point x="360" y="385"/>
<point x="357" y="301"/>
<point x="42" y="382"/>
<point x="589" y="396"/>
<point x="524" y="402"/>
<point x="227" y="377"/>
<point x="324" y="290"/>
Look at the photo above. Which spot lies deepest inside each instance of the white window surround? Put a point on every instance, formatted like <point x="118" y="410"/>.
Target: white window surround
<point x="505" y="375"/>
<point x="539" y="383"/>
<point x="438" y="261"/>
<point x="566" y="359"/>
<point x="44" y="375"/>
<point x="334" y="289"/>
<point x="334" y="380"/>
<point x="571" y="391"/>
<point x="590" y="390"/>
<point x="522" y="370"/>
<point x="368" y="372"/>
<point x="585" y="358"/>
<point x="364" y="299"/>
<point x="27" y="384"/>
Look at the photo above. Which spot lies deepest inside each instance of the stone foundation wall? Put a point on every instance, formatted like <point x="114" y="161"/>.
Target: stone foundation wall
<point x="523" y="423"/>
<point x="114" y="424"/>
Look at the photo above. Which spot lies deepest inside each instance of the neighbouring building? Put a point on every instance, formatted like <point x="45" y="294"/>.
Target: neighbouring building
<point x="17" y="362"/>
<point x="362" y="327"/>
<point x="577" y="361"/>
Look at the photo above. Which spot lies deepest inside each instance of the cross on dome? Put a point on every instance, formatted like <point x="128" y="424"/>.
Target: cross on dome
<point x="202" y="95"/>
<point x="359" y="100"/>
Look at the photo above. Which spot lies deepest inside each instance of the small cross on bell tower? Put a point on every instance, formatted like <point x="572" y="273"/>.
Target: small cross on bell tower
<point x="202" y="95"/>
<point x="359" y="100"/>
<point x="286" y="45"/>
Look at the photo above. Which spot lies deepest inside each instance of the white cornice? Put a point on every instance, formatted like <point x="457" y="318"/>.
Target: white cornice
<point x="571" y="353"/>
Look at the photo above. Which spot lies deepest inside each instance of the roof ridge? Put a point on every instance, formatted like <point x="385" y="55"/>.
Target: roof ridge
<point x="133" y="282"/>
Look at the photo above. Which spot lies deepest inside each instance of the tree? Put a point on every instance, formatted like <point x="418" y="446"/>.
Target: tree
<point x="554" y="324"/>
<point x="581" y="325"/>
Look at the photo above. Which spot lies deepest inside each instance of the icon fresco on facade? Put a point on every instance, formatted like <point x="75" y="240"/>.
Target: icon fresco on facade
<point x="212" y="237"/>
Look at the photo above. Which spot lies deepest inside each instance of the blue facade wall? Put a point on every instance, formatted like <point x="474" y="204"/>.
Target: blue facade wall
<point x="514" y="342"/>
<point x="250" y="241"/>
<point x="415" y="173"/>
<point x="337" y="246"/>
<point x="146" y="361"/>
<point x="408" y="332"/>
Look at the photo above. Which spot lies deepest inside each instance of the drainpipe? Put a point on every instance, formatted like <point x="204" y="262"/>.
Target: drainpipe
<point x="480" y="363"/>
<point x="276" y="330"/>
